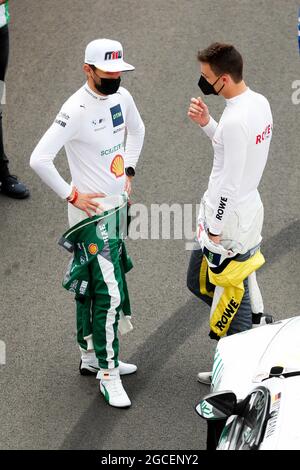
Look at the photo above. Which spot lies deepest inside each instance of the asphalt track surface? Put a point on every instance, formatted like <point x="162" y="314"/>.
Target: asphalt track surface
<point x="44" y="402"/>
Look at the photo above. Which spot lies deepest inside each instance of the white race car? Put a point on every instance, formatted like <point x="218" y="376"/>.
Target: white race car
<point x="255" y="393"/>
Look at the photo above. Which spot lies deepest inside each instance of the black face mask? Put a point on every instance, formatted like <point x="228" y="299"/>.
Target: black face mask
<point x="208" y="88"/>
<point x="108" y="86"/>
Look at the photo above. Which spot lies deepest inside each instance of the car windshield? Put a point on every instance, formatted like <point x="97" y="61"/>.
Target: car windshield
<point x="283" y="351"/>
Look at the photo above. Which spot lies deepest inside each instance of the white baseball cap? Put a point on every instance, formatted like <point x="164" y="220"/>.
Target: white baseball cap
<point x="106" y="55"/>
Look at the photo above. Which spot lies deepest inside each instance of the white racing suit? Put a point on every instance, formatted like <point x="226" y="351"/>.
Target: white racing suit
<point x="231" y="206"/>
<point x="240" y="238"/>
<point x="242" y="230"/>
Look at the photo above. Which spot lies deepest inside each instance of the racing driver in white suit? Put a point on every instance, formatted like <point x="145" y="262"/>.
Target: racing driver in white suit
<point x="103" y="133"/>
<point x="231" y="208"/>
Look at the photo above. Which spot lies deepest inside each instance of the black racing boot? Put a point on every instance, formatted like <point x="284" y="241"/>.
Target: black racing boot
<point x="9" y="184"/>
<point x="12" y="187"/>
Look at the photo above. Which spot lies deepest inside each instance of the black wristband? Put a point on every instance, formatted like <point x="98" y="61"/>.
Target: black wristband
<point x="212" y="234"/>
<point x="130" y="171"/>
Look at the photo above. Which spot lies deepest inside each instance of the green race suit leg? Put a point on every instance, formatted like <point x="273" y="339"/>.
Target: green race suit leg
<point x="107" y="301"/>
<point x="97" y="277"/>
<point x="83" y="319"/>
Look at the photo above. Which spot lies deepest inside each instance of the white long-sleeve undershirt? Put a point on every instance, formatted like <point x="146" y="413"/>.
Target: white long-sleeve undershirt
<point x="241" y="142"/>
<point x="93" y="129"/>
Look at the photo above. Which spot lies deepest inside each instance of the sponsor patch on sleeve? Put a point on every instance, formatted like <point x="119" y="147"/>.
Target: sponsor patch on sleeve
<point x="60" y="122"/>
<point x="62" y="118"/>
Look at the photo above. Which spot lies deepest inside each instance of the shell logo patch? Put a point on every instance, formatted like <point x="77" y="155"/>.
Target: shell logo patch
<point x="117" y="166"/>
<point x="93" y="248"/>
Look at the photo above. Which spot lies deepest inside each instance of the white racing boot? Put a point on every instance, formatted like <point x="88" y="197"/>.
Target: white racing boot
<point x="126" y="369"/>
<point x="112" y="389"/>
<point x="89" y="364"/>
<point x="204" y="378"/>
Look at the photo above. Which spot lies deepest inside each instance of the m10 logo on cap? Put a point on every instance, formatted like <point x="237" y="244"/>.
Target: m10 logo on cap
<point x="113" y="55"/>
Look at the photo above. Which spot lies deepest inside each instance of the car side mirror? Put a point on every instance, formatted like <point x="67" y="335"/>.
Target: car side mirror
<point x="219" y="405"/>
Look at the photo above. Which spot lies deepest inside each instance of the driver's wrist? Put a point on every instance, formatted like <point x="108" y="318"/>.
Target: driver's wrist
<point x="73" y="196"/>
<point x="204" y="125"/>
